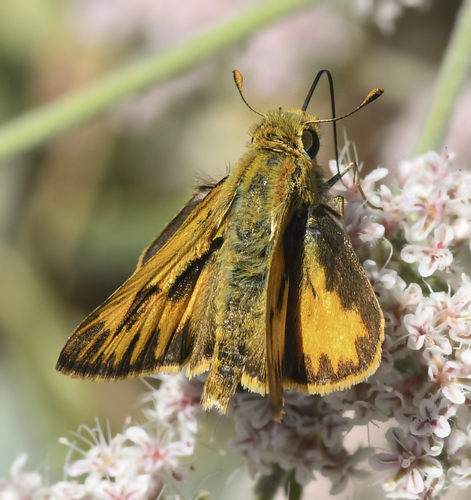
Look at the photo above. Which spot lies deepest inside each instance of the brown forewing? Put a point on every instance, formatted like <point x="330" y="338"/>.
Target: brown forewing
<point x="144" y="326"/>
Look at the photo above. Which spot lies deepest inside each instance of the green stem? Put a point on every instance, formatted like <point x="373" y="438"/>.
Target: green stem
<point x="294" y="491"/>
<point x="52" y="119"/>
<point x="453" y="73"/>
<point x="267" y="486"/>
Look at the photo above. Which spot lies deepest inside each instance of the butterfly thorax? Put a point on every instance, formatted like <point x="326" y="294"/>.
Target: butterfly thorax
<point x="276" y="180"/>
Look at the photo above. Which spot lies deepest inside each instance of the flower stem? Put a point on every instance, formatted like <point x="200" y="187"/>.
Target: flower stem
<point x="452" y="75"/>
<point x="294" y="491"/>
<point x="267" y="486"/>
<point x="54" y="118"/>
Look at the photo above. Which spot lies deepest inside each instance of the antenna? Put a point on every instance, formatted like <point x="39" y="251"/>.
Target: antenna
<point x="373" y="95"/>
<point x="238" y="81"/>
<point x="332" y="101"/>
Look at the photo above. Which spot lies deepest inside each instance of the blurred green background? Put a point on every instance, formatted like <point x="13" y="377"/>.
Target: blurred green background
<point x="76" y="213"/>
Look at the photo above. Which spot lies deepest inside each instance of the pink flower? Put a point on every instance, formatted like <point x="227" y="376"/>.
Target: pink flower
<point x="252" y="443"/>
<point x="429" y="421"/>
<point x="431" y="258"/>
<point x="418" y="325"/>
<point x="177" y="402"/>
<point x="458" y="313"/>
<point x="453" y="380"/>
<point x="22" y="485"/>
<point x="340" y="467"/>
<point x="68" y="490"/>
<point x="410" y="470"/>
<point x="103" y="459"/>
<point x="157" y="455"/>
<point x="136" y="489"/>
<point x="421" y="327"/>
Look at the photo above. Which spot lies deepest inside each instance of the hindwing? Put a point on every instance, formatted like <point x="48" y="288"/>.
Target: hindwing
<point x="334" y="321"/>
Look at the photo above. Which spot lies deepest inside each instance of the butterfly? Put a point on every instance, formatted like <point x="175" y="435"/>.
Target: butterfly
<point x="255" y="281"/>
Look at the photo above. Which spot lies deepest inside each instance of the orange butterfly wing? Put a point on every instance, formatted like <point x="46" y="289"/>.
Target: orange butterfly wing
<point x="144" y="327"/>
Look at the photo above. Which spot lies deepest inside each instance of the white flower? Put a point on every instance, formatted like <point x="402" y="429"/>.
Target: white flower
<point x="137" y="489"/>
<point x="340" y="467"/>
<point x="460" y="476"/>
<point x="103" y="459"/>
<point x="431" y="258"/>
<point x="458" y="313"/>
<point x="432" y="425"/>
<point x="453" y="381"/>
<point x="252" y="443"/>
<point x="423" y="330"/>
<point x="177" y="402"/>
<point x="68" y="490"/>
<point x="22" y="485"/>
<point x="158" y="455"/>
<point x="411" y="471"/>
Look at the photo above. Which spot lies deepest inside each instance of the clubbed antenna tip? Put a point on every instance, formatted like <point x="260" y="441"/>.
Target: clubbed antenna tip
<point x="238" y="81"/>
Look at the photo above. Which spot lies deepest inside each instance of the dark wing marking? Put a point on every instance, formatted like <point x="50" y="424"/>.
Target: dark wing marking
<point x="170" y="229"/>
<point x="334" y="324"/>
<point x="277" y="290"/>
<point x="144" y="326"/>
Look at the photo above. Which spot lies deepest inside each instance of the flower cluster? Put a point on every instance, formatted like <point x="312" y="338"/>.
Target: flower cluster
<point x="426" y="220"/>
<point x="137" y="464"/>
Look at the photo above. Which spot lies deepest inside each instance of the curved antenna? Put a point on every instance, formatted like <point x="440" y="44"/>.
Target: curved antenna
<point x="332" y="100"/>
<point x="238" y="81"/>
<point x="314" y="85"/>
<point x="372" y="96"/>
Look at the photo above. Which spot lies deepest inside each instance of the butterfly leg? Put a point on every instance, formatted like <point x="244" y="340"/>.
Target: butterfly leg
<point x="356" y="180"/>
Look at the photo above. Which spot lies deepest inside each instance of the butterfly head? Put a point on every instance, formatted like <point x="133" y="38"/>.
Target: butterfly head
<point x="288" y="128"/>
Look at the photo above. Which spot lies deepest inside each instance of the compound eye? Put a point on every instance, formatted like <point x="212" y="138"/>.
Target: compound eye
<point x="311" y="143"/>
